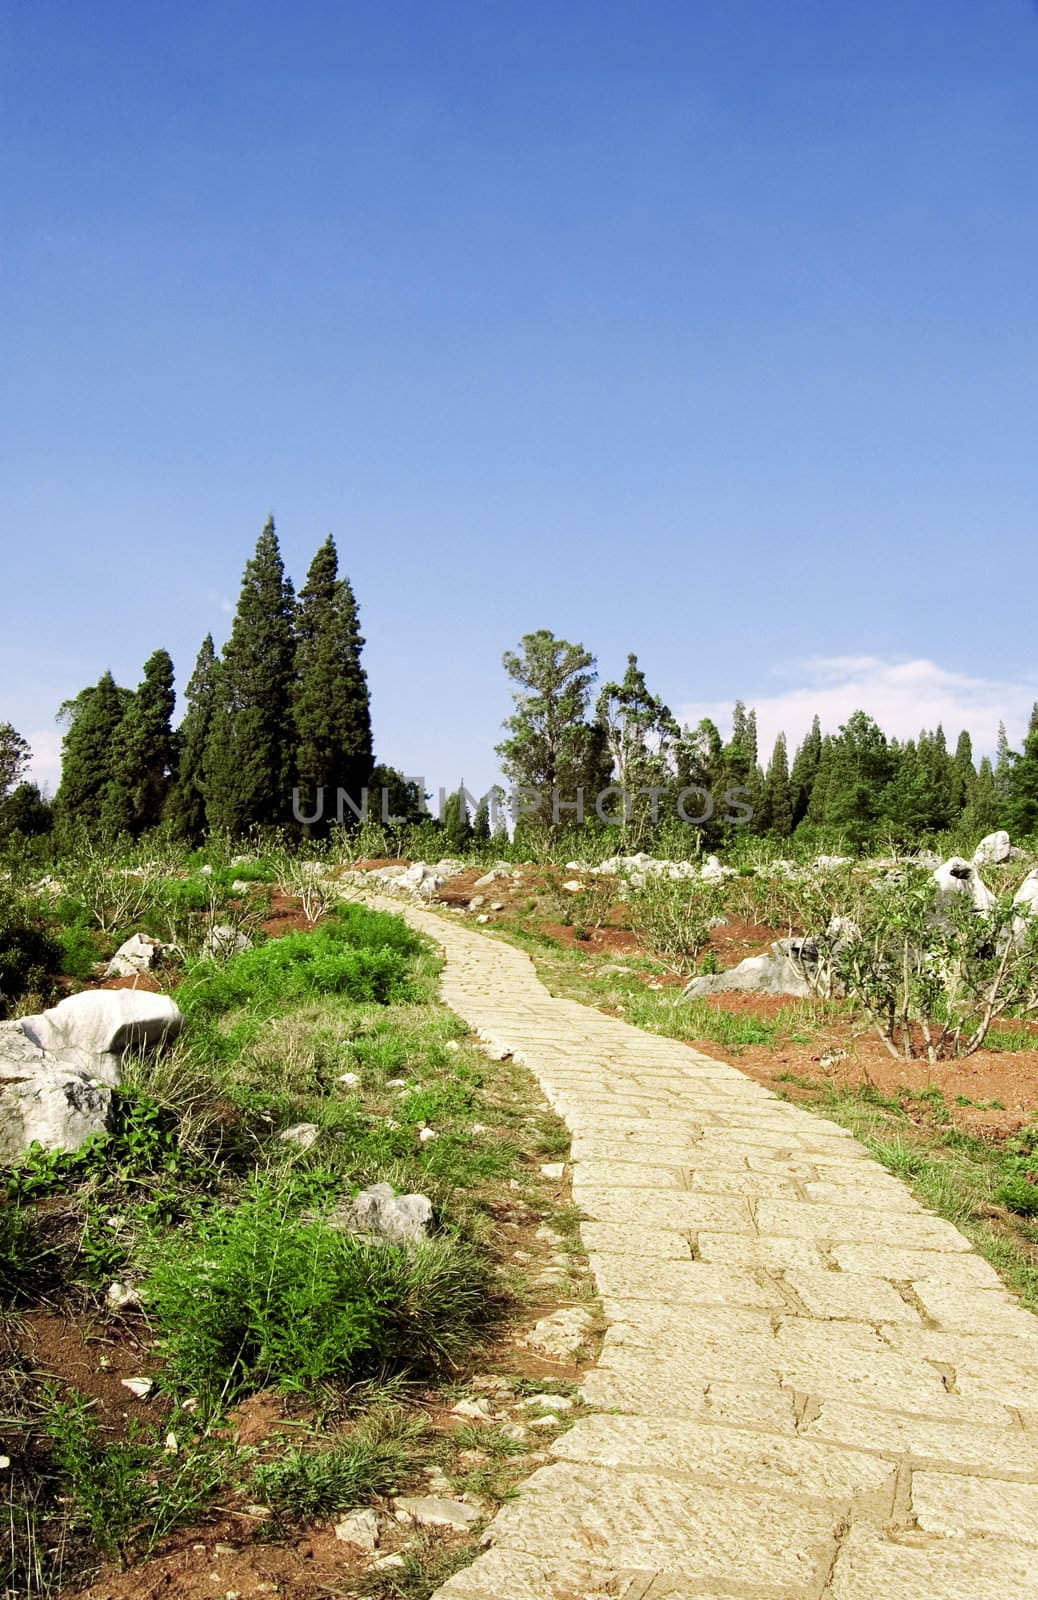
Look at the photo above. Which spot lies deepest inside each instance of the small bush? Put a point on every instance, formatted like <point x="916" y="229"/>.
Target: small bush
<point x="673" y="919"/>
<point x="361" y="956"/>
<point x="1018" y="1194"/>
<point x="259" y="1296"/>
<point x="374" y="1460"/>
<point x="29" y="955"/>
<point x="24" y="1256"/>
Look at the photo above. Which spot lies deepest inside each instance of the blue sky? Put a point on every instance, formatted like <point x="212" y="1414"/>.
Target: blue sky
<point x="704" y="329"/>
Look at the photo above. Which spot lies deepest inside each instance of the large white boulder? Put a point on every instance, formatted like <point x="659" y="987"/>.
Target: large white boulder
<point x="780" y="971"/>
<point x="993" y="849"/>
<point x="95" y="1029"/>
<point x="957" y="877"/>
<point x="55" y="1104"/>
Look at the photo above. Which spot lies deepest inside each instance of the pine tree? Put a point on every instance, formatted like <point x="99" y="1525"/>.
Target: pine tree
<point x="249" y="755"/>
<point x="804" y="771"/>
<point x="331" y="704"/>
<point x="776" y="805"/>
<point x="1003" y="763"/>
<point x="457" y="829"/>
<point x="86" y="753"/>
<point x="185" y="807"/>
<point x="983" y="813"/>
<point x="1022" y="810"/>
<point x="143" y="754"/>
<point x="964" y="774"/>
<point x="481" y="823"/>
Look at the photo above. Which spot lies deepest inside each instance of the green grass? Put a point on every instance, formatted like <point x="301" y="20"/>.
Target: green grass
<point x="258" y="1295"/>
<point x="377" y="1458"/>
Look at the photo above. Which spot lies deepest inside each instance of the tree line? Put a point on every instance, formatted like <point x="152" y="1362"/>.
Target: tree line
<point x="856" y="782"/>
<point x="286" y="709"/>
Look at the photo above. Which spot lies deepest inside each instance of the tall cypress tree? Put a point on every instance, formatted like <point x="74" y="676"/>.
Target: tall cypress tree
<point x="248" y="761"/>
<point x="185" y="807"/>
<point x="1022" y="814"/>
<point x="964" y="774"/>
<point x="457" y="829"/>
<point x="331" y="702"/>
<point x="776" y="806"/>
<point x="804" y="771"/>
<point x="86" y="753"/>
<point x="143" y="753"/>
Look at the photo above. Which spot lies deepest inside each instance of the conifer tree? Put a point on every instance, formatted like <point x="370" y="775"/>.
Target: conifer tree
<point x="86" y="753"/>
<point x="457" y="829"/>
<point x="186" y="805"/>
<point x="331" y="704"/>
<point x="143" y="754"/>
<point x="983" y="812"/>
<point x="15" y="756"/>
<point x="1022" y="810"/>
<point x="804" y="771"/>
<point x="249" y="755"/>
<point x="1003" y="763"/>
<point x="481" y="823"/>
<point x="964" y="774"/>
<point x="776" y="806"/>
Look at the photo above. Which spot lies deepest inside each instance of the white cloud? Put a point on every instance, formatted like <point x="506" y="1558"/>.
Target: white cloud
<point x="902" y="696"/>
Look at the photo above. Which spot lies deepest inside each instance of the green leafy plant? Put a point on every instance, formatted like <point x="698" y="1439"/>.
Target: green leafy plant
<point x="258" y="1295"/>
<point x="375" y="1459"/>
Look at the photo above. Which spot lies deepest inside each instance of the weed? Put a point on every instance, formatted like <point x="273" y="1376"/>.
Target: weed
<point x="375" y="1459"/>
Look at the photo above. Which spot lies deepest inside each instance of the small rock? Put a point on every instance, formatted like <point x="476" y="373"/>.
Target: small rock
<point x="137" y="954"/>
<point x="302" y="1135"/>
<point x="573" y="886"/>
<point x="261" y="1513"/>
<point x="477" y="1409"/>
<point x="427" y="1135"/>
<point x="396" y="1083"/>
<point x="497" y="905"/>
<point x="349" y="1080"/>
<point x="477" y="901"/>
<point x="379" y="1213"/>
<point x="542" y="1402"/>
<point x="122" y="1296"/>
<point x="223" y="941"/>
<point x="385" y="1562"/>
<point x="514" y="1431"/>
<point x="432" y="1511"/>
<point x="359" y="1529"/>
<point x="452" y="1044"/>
<point x="561" y="1334"/>
<point x="482" y="917"/>
<point x="554" y="1170"/>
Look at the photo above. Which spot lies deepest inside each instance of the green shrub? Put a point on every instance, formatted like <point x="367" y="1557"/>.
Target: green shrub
<point x="1018" y="1194"/>
<point x="29" y="955"/>
<point x="361" y="956"/>
<point x="79" y="951"/>
<point x="374" y="1460"/>
<point x="25" y="1258"/>
<point x="258" y="1296"/>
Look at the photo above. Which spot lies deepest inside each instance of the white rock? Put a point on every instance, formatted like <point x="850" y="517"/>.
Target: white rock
<point x="302" y="1135"/>
<point x="122" y="1296"/>
<point x="959" y="877"/>
<point x="478" y="1410"/>
<point x="432" y="1511"/>
<point x="547" y="1402"/>
<point x="95" y="1029"/>
<point x="385" y="1563"/>
<point x="379" y="1213"/>
<point x="137" y="954"/>
<point x="573" y="886"/>
<point x="349" y="1080"/>
<point x="427" y="1135"/>
<point x="359" y="1529"/>
<point x="55" y="1105"/>
<point x="561" y="1334"/>
<point x="553" y="1170"/>
<point x="452" y="1044"/>
<point x="993" y="849"/>
<point x="223" y="941"/>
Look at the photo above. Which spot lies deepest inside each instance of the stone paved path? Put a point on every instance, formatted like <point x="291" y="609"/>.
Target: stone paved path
<point x="810" y="1386"/>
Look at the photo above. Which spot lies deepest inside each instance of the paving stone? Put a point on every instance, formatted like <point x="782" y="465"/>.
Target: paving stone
<point x="952" y="1267"/>
<point x="873" y="1566"/>
<point x="846" y="1294"/>
<point x="674" y="1283"/>
<point x="988" y="1442"/>
<point x="958" y="1506"/>
<point x="808" y="1220"/>
<point x="730" y="1455"/>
